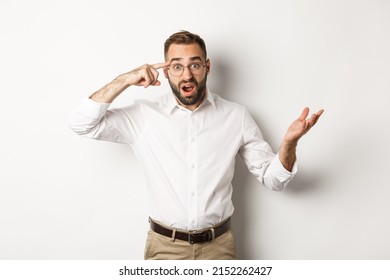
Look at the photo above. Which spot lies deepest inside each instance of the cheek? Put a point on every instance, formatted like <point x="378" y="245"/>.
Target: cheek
<point x="202" y="79"/>
<point x="173" y="82"/>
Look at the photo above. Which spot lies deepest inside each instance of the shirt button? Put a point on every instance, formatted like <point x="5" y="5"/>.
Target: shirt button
<point x="193" y="166"/>
<point x="192" y="194"/>
<point x="193" y="139"/>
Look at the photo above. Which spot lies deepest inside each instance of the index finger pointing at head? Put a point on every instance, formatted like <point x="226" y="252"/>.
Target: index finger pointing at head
<point x="160" y="65"/>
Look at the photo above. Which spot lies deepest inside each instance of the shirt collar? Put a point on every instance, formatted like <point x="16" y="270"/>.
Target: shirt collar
<point x="172" y="102"/>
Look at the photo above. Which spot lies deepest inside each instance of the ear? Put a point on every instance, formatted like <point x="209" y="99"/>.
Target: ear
<point x="165" y="72"/>
<point x="208" y="66"/>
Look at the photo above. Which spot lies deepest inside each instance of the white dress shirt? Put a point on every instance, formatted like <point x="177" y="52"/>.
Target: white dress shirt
<point x="187" y="156"/>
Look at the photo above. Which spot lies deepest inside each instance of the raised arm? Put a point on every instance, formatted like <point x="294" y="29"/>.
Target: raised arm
<point x="146" y="75"/>
<point x="92" y="119"/>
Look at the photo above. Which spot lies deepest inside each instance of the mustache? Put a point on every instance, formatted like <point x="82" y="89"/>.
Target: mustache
<point x="192" y="80"/>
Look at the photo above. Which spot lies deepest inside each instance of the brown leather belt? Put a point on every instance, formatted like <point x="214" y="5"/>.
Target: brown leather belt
<point x="191" y="237"/>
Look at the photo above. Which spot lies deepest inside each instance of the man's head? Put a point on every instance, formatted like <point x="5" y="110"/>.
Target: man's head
<point x="189" y="67"/>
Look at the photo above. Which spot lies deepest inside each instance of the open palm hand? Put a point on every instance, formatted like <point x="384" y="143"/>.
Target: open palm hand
<point x="301" y="125"/>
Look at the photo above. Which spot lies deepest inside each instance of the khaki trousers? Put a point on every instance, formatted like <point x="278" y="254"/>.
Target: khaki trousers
<point x="159" y="247"/>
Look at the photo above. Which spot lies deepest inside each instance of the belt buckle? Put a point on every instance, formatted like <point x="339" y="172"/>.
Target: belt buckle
<point x="192" y="236"/>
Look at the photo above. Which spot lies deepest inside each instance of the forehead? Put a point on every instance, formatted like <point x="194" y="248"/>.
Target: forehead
<point x="176" y="51"/>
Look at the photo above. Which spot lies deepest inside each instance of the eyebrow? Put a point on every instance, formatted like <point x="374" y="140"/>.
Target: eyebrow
<point x="191" y="58"/>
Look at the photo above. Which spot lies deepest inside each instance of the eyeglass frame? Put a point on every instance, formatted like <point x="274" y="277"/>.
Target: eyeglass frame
<point x="186" y="66"/>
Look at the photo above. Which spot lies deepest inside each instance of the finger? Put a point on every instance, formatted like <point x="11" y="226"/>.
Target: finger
<point x="315" y="118"/>
<point x="304" y="114"/>
<point x="161" y="65"/>
<point x="319" y="113"/>
<point x="151" y="76"/>
<point x="312" y="120"/>
<point x="146" y="78"/>
<point x="155" y="74"/>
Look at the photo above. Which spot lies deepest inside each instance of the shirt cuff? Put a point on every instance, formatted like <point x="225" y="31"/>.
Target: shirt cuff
<point x="93" y="109"/>
<point x="282" y="173"/>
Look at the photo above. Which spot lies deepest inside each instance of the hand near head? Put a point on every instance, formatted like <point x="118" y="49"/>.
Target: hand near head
<point x="301" y="125"/>
<point x="146" y="75"/>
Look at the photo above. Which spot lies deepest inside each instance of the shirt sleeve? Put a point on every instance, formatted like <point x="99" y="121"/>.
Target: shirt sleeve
<point x="260" y="159"/>
<point x="94" y="120"/>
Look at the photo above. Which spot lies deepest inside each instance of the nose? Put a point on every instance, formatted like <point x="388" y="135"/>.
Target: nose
<point x="187" y="74"/>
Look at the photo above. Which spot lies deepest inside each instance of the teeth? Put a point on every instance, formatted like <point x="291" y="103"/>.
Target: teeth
<point x="187" y="88"/>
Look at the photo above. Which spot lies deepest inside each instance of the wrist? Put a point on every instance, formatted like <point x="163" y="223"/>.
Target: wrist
<point x="290" y="143"/>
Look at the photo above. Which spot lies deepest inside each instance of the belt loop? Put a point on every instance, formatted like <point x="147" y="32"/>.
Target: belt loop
<point x="173" y="235"/>
<point x="213" y="234"/>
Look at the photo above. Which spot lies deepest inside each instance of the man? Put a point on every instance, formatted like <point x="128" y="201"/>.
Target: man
<point x="187" y="142"/>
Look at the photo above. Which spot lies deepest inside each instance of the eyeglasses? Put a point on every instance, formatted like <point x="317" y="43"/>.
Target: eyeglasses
<point x="177" y="69"/>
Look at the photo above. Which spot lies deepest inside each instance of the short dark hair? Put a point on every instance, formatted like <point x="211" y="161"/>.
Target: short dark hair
<point x="185" y="38"/>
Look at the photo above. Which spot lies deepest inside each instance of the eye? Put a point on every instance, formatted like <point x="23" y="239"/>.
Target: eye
<point x="176" y="67"/>
<point x="195" y="66"/>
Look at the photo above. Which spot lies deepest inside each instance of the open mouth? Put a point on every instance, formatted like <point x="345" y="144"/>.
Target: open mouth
<point x="188" y="89"/>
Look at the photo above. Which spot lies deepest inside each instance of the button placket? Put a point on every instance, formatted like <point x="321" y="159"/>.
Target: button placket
<point x="193" y="171"/>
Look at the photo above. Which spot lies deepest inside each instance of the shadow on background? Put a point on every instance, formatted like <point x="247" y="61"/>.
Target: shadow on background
<point x="243" y="184"/>
<point x="243" y="181"/>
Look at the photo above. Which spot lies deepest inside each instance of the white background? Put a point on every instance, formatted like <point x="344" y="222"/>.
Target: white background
<point x="66" y="197"/>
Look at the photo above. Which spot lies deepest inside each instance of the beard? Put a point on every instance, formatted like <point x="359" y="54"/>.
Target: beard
<point x="195" y="97"/>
